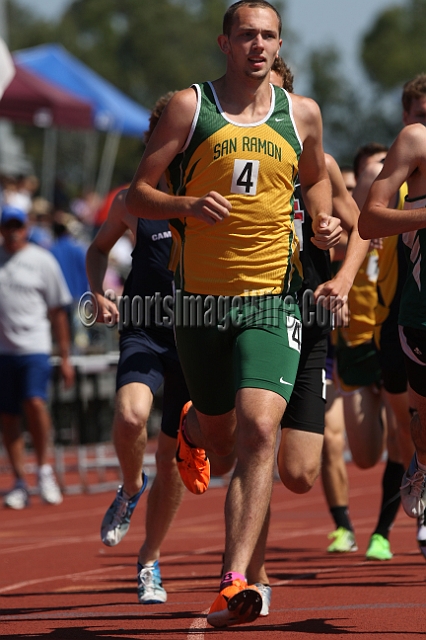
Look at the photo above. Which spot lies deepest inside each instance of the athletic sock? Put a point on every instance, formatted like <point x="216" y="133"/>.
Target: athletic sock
<point x="229" y="577"/>
<point x="391" y="498"/>
<point x="149" y="564"/>
<point x="341" y="518"/>
<point x="44" y="468"/>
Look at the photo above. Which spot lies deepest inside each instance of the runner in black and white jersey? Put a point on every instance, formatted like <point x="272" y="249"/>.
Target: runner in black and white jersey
<point x="406" y="162"/>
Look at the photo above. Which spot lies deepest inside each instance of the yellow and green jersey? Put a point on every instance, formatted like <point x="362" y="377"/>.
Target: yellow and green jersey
<point x="387" y="279"/>
<point x="254" y="166"/>
<point x="362" y="301"/>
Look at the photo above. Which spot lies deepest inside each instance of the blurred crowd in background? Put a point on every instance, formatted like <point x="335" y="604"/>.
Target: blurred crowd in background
<point x="65" y="228"/>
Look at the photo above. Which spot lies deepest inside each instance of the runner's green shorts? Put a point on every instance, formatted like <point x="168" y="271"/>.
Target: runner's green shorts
<point x="226" y="344"/>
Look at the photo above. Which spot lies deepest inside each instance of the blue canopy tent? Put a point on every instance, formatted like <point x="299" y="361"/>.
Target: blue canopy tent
<point x="113" y="111"/>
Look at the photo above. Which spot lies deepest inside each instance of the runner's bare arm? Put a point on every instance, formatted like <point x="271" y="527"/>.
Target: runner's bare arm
<point x="61" y="330"/>
<point x="314" y="180"/>
<point x="362" y="188"/>
<point x="116" y="224"/>
<point x="334" y="292"/>
<point x="405" y="157"/>
<point x="167" y="140"/>
<point x="364" y="182"/>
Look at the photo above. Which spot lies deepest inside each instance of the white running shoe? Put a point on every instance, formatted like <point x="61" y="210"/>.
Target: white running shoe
<point x="421" y="535"/>
<point x="150" y="587"/>
<point x="47" y="485"/>
<point x="18" y="497"/>
<point x="266" y="593"/>
<point x="413" y="490"/>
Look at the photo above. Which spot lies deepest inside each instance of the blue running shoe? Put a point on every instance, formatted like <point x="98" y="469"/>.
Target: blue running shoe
<point x="150" y="587"/>
<point x="116" y="521"/>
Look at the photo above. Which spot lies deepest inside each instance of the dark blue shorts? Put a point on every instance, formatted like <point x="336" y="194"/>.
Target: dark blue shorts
<point x="152" y="360"/>
<point x="23" y="377"/>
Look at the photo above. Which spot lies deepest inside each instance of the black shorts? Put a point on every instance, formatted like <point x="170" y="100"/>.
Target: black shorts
<point x="390" y="354"/>
<point x="413" y="343"/>
<point x="306" y="409"/>
<point x="357" y="366"/>
<point x="149" y="359"/>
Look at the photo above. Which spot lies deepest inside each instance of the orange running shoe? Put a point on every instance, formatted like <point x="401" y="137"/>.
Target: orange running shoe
<point x="193" y="464"/>
<point x="235" y="604"/>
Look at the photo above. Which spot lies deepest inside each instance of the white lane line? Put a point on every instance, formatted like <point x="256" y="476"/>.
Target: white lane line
<point x="108" y="569"/>
<point x="68" y="576"/>
<point x="50" y="542"/>
<point x="165" y="560"/>
<point x="58" y="516"/>
<point x="196" y="630"/>
<point x="58" y="541"/>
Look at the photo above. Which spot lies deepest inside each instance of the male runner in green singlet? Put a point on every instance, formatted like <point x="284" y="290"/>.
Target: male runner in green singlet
<point x="232" y="149"/>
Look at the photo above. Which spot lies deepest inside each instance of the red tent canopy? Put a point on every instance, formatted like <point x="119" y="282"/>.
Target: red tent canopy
<point x="29" y="99"/>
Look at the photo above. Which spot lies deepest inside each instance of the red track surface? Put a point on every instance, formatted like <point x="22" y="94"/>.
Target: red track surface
<point x="58" y="581"/>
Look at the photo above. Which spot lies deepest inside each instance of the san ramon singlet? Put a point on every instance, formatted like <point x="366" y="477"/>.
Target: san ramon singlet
<point x="254" y="166"/>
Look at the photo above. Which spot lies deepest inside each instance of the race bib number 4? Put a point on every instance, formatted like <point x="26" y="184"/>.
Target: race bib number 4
<point x="244" y="178"/>
<point x="294" y="333"/>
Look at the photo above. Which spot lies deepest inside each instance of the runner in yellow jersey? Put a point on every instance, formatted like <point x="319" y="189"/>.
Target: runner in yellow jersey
<point x="233" y="148"/>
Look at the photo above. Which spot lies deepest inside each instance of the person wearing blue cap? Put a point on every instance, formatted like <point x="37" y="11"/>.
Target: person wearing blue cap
<point x="33" y="294"/>
<point x="11" y="213"/>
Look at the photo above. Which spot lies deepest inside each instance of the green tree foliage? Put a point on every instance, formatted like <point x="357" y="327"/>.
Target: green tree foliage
<point x="143" y="47"/>
<point x="146" y="47"/>
<point x="394" y="50"/>
<point x="335" y="97"/>
<point x="25" y="29"/>
<point x="350" y="118"/>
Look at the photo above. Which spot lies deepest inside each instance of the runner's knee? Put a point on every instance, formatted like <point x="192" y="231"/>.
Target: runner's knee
<point x="298" y="477"/>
